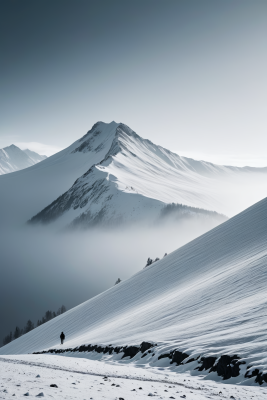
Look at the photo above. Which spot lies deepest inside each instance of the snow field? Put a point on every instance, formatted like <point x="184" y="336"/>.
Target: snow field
<point x="86" y="379"/>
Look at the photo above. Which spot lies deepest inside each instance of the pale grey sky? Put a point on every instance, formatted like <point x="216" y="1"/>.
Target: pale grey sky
<point x="189" y="75"/>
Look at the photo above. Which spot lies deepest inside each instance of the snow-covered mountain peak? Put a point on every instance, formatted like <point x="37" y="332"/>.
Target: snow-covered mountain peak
<point x="114" y="173"/>
<point x="12" y="147"/>
<point x="96" y="139"/>
<point x="130" y="178"/>
<point x="113" y="138"/>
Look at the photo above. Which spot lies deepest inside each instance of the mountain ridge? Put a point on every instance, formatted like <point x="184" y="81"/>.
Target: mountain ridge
<point x="102" y="182"/>
<point x="140" y="174"/>
<point x="137" y="167"/>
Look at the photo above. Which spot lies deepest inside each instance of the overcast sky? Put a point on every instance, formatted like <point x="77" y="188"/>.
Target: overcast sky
<point x="189" y="75"/>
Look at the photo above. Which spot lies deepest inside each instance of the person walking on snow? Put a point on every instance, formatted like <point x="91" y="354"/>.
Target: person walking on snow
<point x="62" y="337"/>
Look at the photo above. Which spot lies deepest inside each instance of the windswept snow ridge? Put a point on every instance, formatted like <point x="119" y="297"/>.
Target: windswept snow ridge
<point x="13" y="159"/>
<point x="206" y="299"/>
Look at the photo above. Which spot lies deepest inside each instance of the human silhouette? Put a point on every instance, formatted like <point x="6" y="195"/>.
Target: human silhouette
<point x="62" y="337"/>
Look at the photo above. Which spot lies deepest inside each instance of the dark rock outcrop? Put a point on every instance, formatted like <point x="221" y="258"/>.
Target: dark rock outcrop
<point x="260" y="377"/>
<point x="207" y="363"/>
<point x="226" y="366"/>
<point x="130" y="351"/>
<point x="145" y="346"/>
<point x="178" y="357"/>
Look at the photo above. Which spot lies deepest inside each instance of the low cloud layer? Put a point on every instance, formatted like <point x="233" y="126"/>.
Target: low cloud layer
<point x="43" y="270"/>
<point x="237" y="160"/>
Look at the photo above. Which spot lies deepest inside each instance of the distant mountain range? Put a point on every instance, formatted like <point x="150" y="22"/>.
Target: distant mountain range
<point x="112" y="176"/>
<point x="12" y="159"/>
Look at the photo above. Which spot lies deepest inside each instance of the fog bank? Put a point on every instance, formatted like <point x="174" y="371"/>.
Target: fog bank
<point x="42" y="270"/>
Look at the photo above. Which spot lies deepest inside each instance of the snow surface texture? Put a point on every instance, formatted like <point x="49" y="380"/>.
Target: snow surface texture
<point x="85" y="379"/>
<point x="135" y="179"/>
<point x="208" y="298"/>
<point x="13" y="159"/>
<point x="120" y="176"/>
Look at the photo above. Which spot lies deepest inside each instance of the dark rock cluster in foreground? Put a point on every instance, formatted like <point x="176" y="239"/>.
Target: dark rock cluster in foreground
<point x="226" y="366"/>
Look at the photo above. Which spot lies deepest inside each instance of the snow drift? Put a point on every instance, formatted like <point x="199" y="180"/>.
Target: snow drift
<point x="208" y="298"/>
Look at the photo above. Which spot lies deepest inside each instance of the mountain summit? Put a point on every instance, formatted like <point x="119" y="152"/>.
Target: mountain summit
<point x="132" y="179"/>
<point x="112" y="175"/>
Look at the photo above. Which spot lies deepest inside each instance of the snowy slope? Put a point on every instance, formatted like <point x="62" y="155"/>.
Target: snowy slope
<point x="81" y="378"/>
<point x="136" y="179"/>
<point x="12" y="159"/>
<point x="207" y="298"/>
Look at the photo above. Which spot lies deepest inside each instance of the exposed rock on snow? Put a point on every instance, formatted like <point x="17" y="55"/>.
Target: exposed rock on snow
<point x="225" y="366"/>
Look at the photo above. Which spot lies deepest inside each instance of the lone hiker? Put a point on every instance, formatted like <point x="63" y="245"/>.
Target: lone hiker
<point x="62" y="337"/>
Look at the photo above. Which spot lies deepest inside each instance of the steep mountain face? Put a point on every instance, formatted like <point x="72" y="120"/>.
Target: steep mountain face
<point x="12" y="159"/>
<point x="206" y="299"/>
<point x="135" y="180"/>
